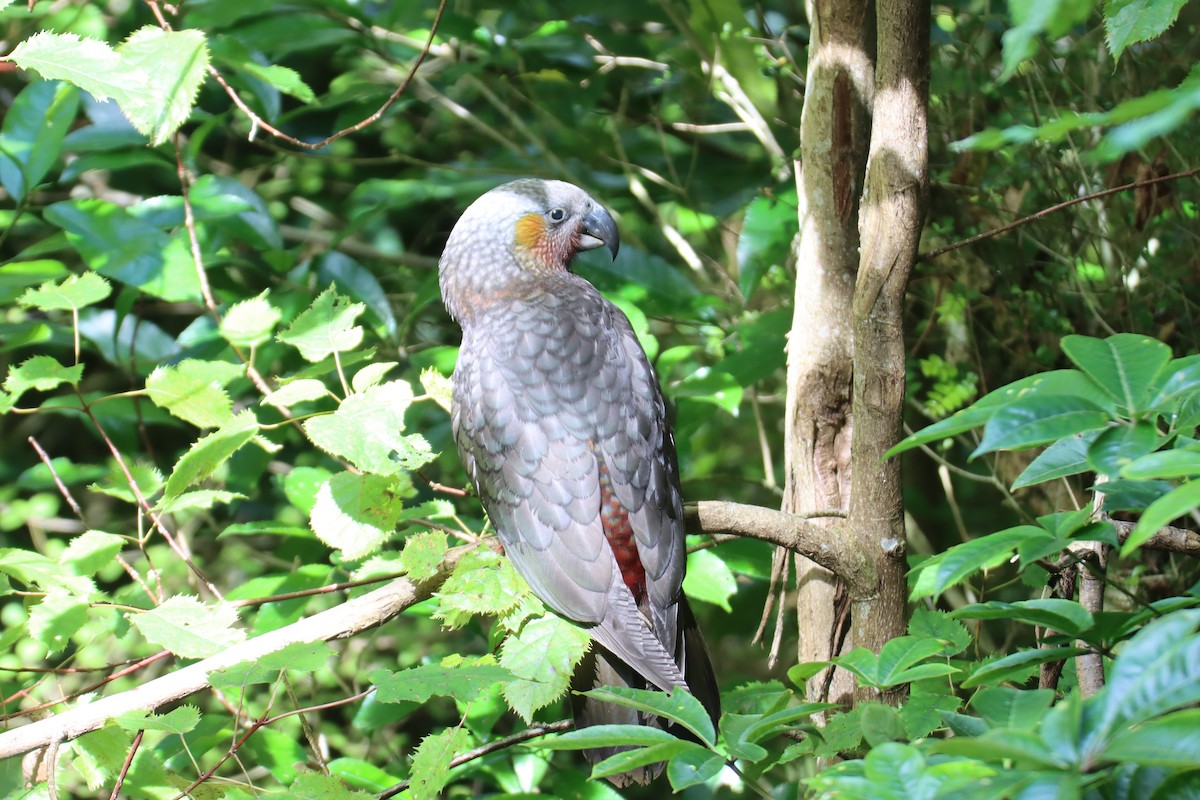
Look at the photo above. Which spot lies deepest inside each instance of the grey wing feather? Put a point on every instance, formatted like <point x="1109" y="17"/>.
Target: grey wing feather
<point x="547" y="388"/>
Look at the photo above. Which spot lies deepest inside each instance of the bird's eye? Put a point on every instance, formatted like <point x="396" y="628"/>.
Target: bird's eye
<point x="557" y="214"/>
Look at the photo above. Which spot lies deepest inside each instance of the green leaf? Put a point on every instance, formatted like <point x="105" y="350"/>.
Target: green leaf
<point x="711" y="386"/>
<point x="284" y="79"/>
<point x="438" y="387"/>
<point x="366" y="430"/>
<point x="179" y="720"/>
<point x="249" y="323"/>
<point x="1005" y="707"/>
<point x="1175" y="503"/>
<point x="194" y="390"/>
<point x="768" y="227"/>
<point x="1124" y="365"/>
<point x="304" y="390"/>
<point x="40" y="373"/>
<point x="1017" y="663"/>
<point x="199" y="500"/>
<point x="31" y="139"/>
<point x="204" y="457"/>
<point x="1065" y="616"/>
<point x="483" y="582"/>
<point x="1063" y="382"/>
<point x="1120" y="445"/>
<point x="1180" y="379"/>
<point x="1033" y="18"/>
<point x="542" y="658"/>
<point x="1038" y="420"/>
<point x="1170" y="741"/>
<point x="709" y="578"/>
<point x="607" y="736"/>
<point x="356" y="514"/>
<point x="56" y="619"/>
<point x="1164" y="464"/>
<point x="297" y="656"/>
<point x="431" y="762"/>
<point x="693" y="768"/>
<point x="70" y="294"/>
<point x="933" y="624"/>
<point x="91" y="551"/>
<point x="940" y="572"/>
<point x="423" y="554"/>
<point x="679" y="707"/>
<point x="315" y="786"/>
<point x="419" y="684"/>
<point x="87" y="63"/>
<point x="174" y="64"/>
<point x="118" y="245"/>
<point x="369" y="376"/>
<point x="190" y="629"/>
<point x="881" y="724"/>
<point x="643" y="756"/>
<point x="1127" y="22"/>
<point x="1067" y="456"/>
<point x="896" y="662"/>
<point x="326" y="327"/>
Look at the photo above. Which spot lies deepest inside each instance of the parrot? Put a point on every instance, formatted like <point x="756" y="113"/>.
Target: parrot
<point x="562" y="428"/>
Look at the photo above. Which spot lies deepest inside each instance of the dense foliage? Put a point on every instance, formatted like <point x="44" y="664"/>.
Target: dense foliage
<point x="225" y="377"/>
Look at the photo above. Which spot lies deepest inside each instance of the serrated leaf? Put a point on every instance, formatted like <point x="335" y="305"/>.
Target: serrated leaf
<point x="40" y="373"/>
<point x="87" y="63"/>
<point x="423" y="554"/>
<point x="179" y="720"/>
<point x="370" y="376"/>
<point x="326" y="327"/>
<point x="174" y="64"/>
<point x="483" y="582"/>
<point x="431" y="762"/>
<point x="938" y="625"/>
<point x="210" y="452"/>
<point x="679" y="707"/>
<point x="56" y="619"/>
<point x="542" y="659"/>
<point x="709" y="578"/>
<point x="366" y="430"/>
<point x="115" y="483"/>
<point x="419" y="684"/>
<point x="70" y="294"/>
<point x="357" y="513"/>
<point x="438" y="387"/>
<point x="194" y="390"/>
<point x="34" y="569"/>
<point x="298" y="656"/>
<point x="249" y="323"/>
<point x="188" y="628"/>
<point x="91" y="551"/>
<point x="200" y="499"/>
<point x="304" y="390"/>
<point x="315" y="786"/>
<point x="1127" y="22"/>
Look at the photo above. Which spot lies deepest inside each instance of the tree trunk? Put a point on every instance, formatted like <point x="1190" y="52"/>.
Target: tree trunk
<point x="846" y="349"/>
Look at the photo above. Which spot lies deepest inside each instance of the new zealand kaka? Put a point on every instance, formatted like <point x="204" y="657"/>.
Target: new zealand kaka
<point x="562" y="428"/>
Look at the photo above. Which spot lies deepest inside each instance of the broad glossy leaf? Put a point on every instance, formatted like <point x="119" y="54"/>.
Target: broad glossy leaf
<point x="679" y="706"/>
<point x="1180" y="378"/>
<point x="642" y="756"/>
<point x="1065" y="616"/>
<point x="708" y="578"/>
<point x="31" y="139"/>
<point x="1067" y="456"/>
<point x="607" y="736"/>
<point x="1038" y="420"/>
<point x="1005" y="707"/>
<point x="1175" y="503"/>
<point x="1125" y="365"/>
<point x="940" y="572"/>
<point x="1164" y="464"/>
<point x="1017" y="663"/>
<point x="1170" y="741"/>
<point x="1120" y="445"/>
<point x="693" y="768"/>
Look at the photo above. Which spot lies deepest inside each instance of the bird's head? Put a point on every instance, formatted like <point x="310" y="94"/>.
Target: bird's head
<point x="524" y="227"/>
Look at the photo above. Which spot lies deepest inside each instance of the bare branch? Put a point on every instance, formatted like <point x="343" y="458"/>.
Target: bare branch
<point x="344" y="620"/>
<point x="822" y="544"/>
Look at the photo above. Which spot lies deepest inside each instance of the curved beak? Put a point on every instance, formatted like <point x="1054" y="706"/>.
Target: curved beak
<point x="600" y="230"/>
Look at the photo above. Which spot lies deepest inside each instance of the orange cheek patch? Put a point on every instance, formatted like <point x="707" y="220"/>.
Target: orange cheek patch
<point x="531" y="231"/>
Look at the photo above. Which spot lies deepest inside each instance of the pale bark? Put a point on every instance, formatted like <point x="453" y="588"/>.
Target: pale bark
<point x="834" y="137"/>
